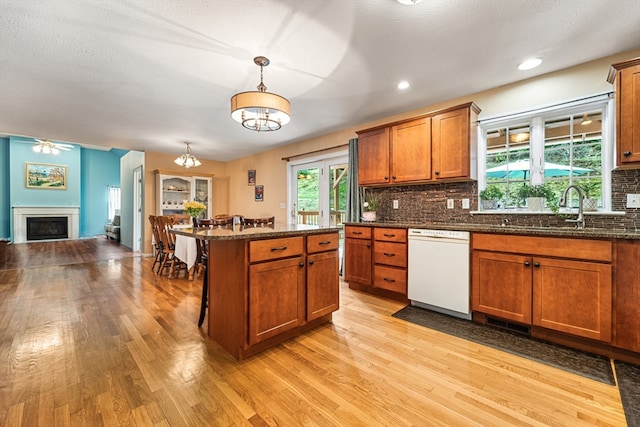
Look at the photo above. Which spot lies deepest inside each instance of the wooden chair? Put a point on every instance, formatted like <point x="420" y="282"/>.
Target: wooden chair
<point x="165" y="223"/>
<point x="180" y="218"/>
<point x="259" y="222"/>
<point x="157" y="242"/>
<point x="226" y="222"/>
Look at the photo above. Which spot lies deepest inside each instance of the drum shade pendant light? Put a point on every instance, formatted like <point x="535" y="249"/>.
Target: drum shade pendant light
<point x="260" y="110"/>
<point x="187" y="160"/>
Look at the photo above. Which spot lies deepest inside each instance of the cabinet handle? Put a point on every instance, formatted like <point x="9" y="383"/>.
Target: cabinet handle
<point x="301" y="264"/>
<point x="527" y="264"/>
<point x="279" y="248"/>
<point x="386" y="279"/>
<point x="357" y="233"/>
<point x="627" y="153"/>
<point x="389" y="235"/>
<point x="437" y="172"/>
<point x="536" y="264"/>
<point x="368" y="245"/>
<point x="311" y="262"/>
<point x="386" y="177"/>
<point x="325" y="243"/>
<point x="393" y="176"/>
<point x="388" y="254"/>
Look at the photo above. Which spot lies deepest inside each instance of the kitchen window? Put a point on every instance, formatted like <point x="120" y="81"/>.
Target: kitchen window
<point x="561" y="145"/>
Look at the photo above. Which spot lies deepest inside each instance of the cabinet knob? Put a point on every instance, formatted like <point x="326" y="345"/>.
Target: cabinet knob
<point x="437" y="172"/>
<point x="527" y="264"/>
<point x="368" y="245"/>
<point x="301" y="264"/>
<point x="393" y="176"/>
<point x="311" y="262"/>
<point x="627" y="153"/>
<point x="386" y="177"/>
<point x="536" y="264"/>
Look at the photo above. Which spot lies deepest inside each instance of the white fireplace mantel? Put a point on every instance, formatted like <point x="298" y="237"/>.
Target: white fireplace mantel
<point x="21" y="213"/>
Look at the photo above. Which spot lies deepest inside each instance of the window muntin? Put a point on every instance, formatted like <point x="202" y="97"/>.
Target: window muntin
<point x="526" y="142"/>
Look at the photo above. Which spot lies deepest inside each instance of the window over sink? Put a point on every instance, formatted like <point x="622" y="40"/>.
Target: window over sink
<point x="560" y="145"/>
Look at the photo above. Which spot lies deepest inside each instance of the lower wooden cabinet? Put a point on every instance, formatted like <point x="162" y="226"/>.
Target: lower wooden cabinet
<point x="323" y="290"/>
<point x="376" y="260"/>
<point x="276" y="298"/>
<point x="556" y="292"/>
<point x="501" y="285"/>
<point x="627" y="291"/>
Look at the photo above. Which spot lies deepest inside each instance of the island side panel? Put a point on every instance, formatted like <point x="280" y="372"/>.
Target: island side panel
<point x="228" y="294"/>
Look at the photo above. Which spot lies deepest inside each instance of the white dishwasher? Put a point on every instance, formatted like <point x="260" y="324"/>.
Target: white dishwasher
<point x="439" y="271"/>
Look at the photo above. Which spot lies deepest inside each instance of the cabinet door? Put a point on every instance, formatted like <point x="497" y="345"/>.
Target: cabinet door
<point x="627" y="295"/>
<point x="573" y="297"/>
<point x="202" y="193"/>
<point x="411" y="151"/>
<point x="276" y="298"/>
<point x="451" y="146"/>
<point x="373" y="157"/>
<point x="323" y="287"/>
<point x="628" y="125"/>
<point x="501" y="285"/>
<point x="358" y="261"/>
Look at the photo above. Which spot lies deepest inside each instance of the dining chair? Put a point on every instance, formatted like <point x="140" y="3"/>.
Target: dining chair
<point x="259" y="222"/>
<point x="157" y="242"/>
<point x="165" y="223"/>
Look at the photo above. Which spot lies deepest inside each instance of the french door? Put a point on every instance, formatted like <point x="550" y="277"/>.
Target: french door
<point x="318" y="190"/>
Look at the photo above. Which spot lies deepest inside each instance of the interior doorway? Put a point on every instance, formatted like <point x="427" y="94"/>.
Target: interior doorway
<point x="137" y="209"/>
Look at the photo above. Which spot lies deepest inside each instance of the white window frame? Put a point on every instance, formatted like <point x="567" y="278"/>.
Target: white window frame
<point x="536" y="120"/>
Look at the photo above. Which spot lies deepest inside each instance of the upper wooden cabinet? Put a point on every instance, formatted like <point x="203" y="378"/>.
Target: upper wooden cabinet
<point x="626" y="76"/>
<point x="433" y="147"/>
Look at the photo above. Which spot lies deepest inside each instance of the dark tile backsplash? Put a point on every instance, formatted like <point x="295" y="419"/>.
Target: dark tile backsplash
<point x="427" y="204"/>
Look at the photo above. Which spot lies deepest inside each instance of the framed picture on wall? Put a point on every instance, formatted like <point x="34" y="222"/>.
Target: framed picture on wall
<point x="259" y="193"/>
<point x="45" y="176"/>
<point x="251" y="179"/>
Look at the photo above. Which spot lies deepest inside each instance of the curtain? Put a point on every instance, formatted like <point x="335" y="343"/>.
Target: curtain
<point x="113" y="201"/>
<point x="354" y="203"/>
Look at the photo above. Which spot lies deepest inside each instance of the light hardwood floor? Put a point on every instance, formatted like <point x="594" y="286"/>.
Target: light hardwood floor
<point x="107" y="343"/>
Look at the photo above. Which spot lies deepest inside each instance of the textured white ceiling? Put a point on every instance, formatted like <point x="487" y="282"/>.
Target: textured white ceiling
<point x="150" y="74"/>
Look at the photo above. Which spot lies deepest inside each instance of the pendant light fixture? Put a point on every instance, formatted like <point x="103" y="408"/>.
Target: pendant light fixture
<point x="260" y="110"/>
<point x="187" y="160"/>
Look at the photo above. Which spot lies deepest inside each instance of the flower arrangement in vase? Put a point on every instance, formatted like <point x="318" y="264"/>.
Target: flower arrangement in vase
<point x="193" y="209"/>
<point x="370" y="205"/>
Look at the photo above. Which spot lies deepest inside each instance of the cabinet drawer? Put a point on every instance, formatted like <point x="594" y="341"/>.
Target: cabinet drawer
<point x="262" y="250"/>
<point x="322" y="242"/>
<point x="390" y="234"/>
<point x="357" y="232"/>
<point x="390" y="253"/>
<point x="390" y="278"/>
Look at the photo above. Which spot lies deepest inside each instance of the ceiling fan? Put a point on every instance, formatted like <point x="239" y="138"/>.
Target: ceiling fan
<point x="49" y="147"/>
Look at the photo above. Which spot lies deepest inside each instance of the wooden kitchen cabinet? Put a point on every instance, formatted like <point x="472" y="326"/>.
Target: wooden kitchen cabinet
<point x="395" y="154"/>
<point x="554" y="283"/>
<point x="358" y="255"/>
<point x="626" y="76"/>
<point x="376" y="260"/>
<point x="408" y="151"/>
<point x="501" y="285"/>
<point x="627" y="295"/>
<point x="276" y="298"/>
<point x="323" y="290"/>
<point x="390" y="259"/>
<point x="454" y="143"/>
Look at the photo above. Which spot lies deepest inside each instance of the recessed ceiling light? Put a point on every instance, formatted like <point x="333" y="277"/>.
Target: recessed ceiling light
<point x="529" y="64"/>
<point x="403" y="85"/>
<point x="409" y="2"/>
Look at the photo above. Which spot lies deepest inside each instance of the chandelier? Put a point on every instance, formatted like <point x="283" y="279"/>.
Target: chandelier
<point x="187" y="160"/>
<point x="49" y="147"/>
<point x="260" y="110"/>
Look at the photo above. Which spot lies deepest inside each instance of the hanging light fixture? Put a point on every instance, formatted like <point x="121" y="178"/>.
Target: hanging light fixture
<point x="187" y="160"/>
<point x="260" y="110"/>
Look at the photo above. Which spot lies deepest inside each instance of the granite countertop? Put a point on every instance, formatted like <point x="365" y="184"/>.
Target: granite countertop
<point x="593" y="233"/>
<point x="250" y="232"/>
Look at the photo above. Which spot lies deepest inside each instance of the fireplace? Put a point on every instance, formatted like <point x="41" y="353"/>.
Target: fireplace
<point x="25" y="216"/>
<point x="47" y="227"/>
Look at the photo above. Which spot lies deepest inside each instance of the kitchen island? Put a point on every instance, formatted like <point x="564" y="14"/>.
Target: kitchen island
<point x="268" y="284"/>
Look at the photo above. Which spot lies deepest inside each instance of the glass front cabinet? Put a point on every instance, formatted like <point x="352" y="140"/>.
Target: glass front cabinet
<point x="173" y="189"/>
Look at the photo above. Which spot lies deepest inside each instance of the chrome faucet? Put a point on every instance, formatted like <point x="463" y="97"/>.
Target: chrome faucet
<point x="563" y="203"/>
